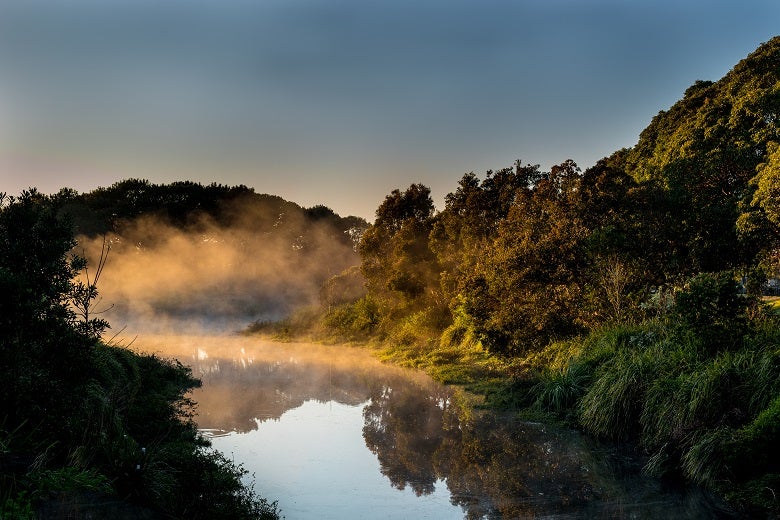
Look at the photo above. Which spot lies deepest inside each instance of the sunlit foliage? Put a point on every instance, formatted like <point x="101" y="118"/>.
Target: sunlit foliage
<point x="625" y="296"/>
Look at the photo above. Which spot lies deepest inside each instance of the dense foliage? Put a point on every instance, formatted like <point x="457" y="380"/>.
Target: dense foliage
<point x="626" y="297"/>
<point x="83" y="424"/>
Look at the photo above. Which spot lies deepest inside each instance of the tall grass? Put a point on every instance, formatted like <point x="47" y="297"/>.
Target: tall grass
<point x="711" y="416"/>
<point x="613" y="403"/>
<point x="561" y="388"/>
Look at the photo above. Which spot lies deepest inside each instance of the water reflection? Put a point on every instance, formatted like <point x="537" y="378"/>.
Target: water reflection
<point x="493" y="466"/>
<point x="499" y="467"/>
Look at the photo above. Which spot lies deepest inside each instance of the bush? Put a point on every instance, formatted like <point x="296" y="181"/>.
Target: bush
<point x="561" y="389"/>
<point x="710" y="309"/>
<point x="354" y="320"/>
<point x="710" y="416"/>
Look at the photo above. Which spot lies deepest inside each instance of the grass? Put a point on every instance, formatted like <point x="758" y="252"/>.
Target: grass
<point x="611" y="406"/>
<point x="710" y="417"/>
<point x="18" y="506"/>
<point x="773" y="303"/>
<point x="559" y="389"/>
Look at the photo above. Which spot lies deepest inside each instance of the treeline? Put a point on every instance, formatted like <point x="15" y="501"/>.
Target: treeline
<point x="87" y="428"/>
<point x="183" y="253"/>
<point x="187" y="205"/>
<point x="530" y="256"/>
<point x="627" y="297"/>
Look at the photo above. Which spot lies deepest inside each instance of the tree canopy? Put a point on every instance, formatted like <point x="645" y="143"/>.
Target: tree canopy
<point x="532" y="255"/>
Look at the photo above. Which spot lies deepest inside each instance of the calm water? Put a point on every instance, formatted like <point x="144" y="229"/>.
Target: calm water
<point x="330" y="432"/>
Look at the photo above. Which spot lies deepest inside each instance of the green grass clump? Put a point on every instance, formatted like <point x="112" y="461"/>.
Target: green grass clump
<point x="611" y="407"/>
<point x="18" y="507"/>
<point x="560" y="389"/>
<point x="709" y="415"/>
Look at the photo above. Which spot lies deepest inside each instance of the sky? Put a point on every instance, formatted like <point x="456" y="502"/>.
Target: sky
<point x="338" y="102"/>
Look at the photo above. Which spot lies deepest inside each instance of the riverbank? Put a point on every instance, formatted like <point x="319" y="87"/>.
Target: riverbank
<point x="119" y="442"/>
<point x="466" y="365"/>
<point x="332" y="432"/>
<point x="699" y="396"/>
<point x="86" y="426"/>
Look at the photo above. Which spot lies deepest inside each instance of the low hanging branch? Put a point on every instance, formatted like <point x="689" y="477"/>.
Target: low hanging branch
<point x="84" y="295"/>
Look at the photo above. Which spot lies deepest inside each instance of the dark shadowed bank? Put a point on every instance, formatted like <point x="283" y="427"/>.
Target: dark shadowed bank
<point x="88" y="429"/>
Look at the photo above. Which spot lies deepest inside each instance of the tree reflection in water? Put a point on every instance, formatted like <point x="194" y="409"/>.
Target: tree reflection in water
<point x="405" y="429"/>
<point x="494" y="466"/>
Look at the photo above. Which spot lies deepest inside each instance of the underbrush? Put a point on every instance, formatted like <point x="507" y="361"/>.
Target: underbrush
<point x="696" y="385"/>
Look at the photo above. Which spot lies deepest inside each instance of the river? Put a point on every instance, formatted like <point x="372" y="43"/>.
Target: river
<point x="331" y="433"/>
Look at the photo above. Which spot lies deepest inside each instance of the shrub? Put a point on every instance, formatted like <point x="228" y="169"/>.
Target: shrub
<point x="354" y="320"/>
<point x="710" y="309"/>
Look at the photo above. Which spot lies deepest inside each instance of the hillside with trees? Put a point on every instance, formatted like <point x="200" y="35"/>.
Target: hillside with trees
<point x="630" y="299"/>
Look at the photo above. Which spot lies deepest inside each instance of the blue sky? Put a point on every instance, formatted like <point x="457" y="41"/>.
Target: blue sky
<point x="337" y="102"/>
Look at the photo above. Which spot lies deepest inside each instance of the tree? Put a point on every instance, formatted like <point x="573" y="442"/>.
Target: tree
<point x="624" y="248"/>
<point x="766" y="198"/>
<point x="42" y="340"/>
<point x="702" y="153"/>
<point x="397" y="263"/>
<point x="471" y="218"/>
<point x="710" y="309"/>
<point x="524" y="290"/>
<point x="398" y="208"/>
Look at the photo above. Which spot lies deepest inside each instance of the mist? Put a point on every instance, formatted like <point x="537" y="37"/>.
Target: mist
<point x="209" y="275"/>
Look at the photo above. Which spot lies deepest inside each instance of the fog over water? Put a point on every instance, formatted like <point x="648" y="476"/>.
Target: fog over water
<point x="208" y="276"/>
